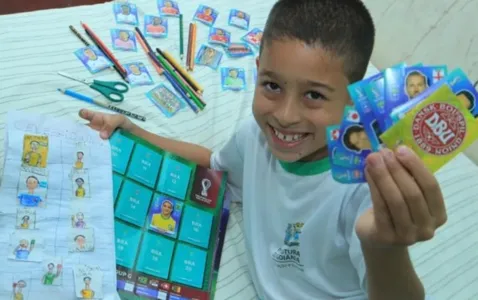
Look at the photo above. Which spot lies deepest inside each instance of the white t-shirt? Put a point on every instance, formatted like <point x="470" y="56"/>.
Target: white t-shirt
<point x="299" y="229"/>
<point x="139" y="79"/>
<point x="99" y="63"/>
<point x="126" y="18"/>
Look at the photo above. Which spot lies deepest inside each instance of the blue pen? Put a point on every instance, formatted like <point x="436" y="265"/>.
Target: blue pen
<point x="101" y="104"/>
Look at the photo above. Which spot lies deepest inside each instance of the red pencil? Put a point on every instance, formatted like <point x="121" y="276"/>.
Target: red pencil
<point x="103" y="47"/>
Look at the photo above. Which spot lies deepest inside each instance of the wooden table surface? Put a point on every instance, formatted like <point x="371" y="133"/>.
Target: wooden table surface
<point x="16" y="6"/>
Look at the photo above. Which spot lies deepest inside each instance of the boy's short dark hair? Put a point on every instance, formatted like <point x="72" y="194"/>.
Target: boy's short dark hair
<point x="343" y="28"/>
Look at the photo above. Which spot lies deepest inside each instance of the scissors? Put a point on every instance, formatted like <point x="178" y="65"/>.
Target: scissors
<point x="112" y="90"/>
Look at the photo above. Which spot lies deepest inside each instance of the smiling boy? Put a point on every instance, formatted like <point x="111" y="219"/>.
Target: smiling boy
<point x="306" y="235"/>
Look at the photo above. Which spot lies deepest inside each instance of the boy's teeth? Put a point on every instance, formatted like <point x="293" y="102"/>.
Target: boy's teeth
<point x="288" y="137"/>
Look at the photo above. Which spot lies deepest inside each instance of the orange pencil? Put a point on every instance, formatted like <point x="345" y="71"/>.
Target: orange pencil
<point x="193" y="47"/>
<point x="145" y="48"/>
<point x="188" y="54"/>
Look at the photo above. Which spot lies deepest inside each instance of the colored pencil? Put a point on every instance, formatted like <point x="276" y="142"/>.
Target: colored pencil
<point x="188" y="50"/>
<point x="180" y="70"/>
<point x="193" y="47"/>
<point x="78" y="35"/>
<point x="181" y="37"/>
<point x="152" y="58"/>
<point x="105" y="50"/>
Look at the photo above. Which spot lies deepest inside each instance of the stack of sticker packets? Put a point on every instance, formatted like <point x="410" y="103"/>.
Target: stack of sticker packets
<point x="427" y="108"/>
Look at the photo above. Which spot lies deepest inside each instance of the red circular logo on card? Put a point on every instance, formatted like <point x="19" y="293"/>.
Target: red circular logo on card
<point x="439" y="128"/>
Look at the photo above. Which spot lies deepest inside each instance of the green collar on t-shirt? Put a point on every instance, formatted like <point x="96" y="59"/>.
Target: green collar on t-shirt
<point x="306" y="168"/>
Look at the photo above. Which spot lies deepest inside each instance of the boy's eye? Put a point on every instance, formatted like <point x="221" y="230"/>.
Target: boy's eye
<point x="271" y="86"/>
<point x="315" y="96"/>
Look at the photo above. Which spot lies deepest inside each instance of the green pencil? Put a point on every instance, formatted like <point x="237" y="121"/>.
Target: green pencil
<point x="181" y="38"/>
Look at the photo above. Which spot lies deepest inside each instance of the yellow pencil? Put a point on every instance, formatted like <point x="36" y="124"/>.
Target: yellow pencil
<point x="183" y="72"/>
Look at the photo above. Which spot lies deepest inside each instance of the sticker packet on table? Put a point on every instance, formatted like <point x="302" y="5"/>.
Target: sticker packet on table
<point x="339" y="157"/>
<point x="155" y="26"/>
<point x="364" y="108"/>
<point x="460" y="86"/>
<point x="208" y="56"/>
<point x="168" y="8"/>
<point x="437" y="129"/>
<point x="233" y="79"/>
<point x="32" y="189"/>
<point x="353" y="138"/>
<point x="237" y="50"/>
<point x="239" y="19"/>
<point x="123" y="40"/>
<point x="35" y="151"/>
<point x="93" y="59"/>
<point x="219" y="36"/>
<point x="137" y="74"/>
<point x="253" y="37"/>
<point x="404" y="84"/>
<point x="125" y="13"/>
<point x="206" y="15"/>
<point x="167" y="101"/>
<point x="88" y="281"/>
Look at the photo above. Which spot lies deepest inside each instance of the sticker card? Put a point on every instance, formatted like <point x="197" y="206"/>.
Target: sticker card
<point x="196" y="226"/>
<point x="209" y="57"/>
<point x="81" y="184"/>
<point x="79" y="214"/>
<point x="233" y="79"/>
<point x="353" y="138"/>
<point x="236" y="50"/>
<point x="26" y="218"/>
<point x="21" y="285"/>
<point x="155" y="256"/>
<point x="35" y="150"/>
<point x="188" y="266"/>
<point x="138" y="74"/>
<point x="155" y="26"/>
<point x="253" y="37"/>
<point x="32" y="189"/>
<point x="219" y="36"/>
<point x="206" y="15"/>
<point x="168" y="8"/>
<point x="117" y="182"/>
<point x="127" y="243"/>
<point x="81" y="156"/>
<point x="52" y="271"/>
<point x="206" y="186"/>
<point x="123" y="40"/>
<point x="133" y="203"/>
<point x="81" y="240"/>
<point x="93" y="59"/>
<point x="174" y="178"/>
<point x="167" y="101"/>
<point x="26" y="245"/>
<point x="88" y="282"/>
<point x="239" y="19"/>
<point x="144" y="166"/>
<point x="125" y="13"/>
<point x="121" y="149"/>
<point x="165" y="215"/>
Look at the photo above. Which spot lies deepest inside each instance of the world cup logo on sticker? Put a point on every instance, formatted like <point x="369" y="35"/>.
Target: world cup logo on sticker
<point x="439" y="128"/>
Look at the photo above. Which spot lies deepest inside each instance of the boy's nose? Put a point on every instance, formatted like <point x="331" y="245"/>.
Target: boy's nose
<point x="289" y="112"/>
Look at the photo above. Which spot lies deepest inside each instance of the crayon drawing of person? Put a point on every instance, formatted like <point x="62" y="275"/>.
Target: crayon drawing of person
<point x="80" y="242"/>
<point x="95" y="62"/>
<point x="156" y="27"/>
<point x="125" y="16"/>
<point x="23" y="250"/>
<point x="87" y="292"/>
<point x="80" y="190"/>
<point x="219" y="36"/>
<point x="123" y="41"/>
<point x="232" y="80"/>
<point x="25" y="222"/>
<point x="169" y="8"/>
<point x="239" y="20"/>
<point x="206" y="15"/>
<point x="78" y="220"/>
<point x="135" y="75"/>
<point x="356" y="139"/>
<point x="29" y="197"/>
<point x="50" y="276"/>
<point x="33" y="157"/>
<point x="79" y="160"/>
<point x="18" y="289"/>
<point x="415" y="83"/>
<point x="164" y="221"/>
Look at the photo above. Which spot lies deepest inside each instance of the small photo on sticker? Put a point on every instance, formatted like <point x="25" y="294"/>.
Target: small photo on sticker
<point x="81" y="240"/>
<point x="26" y="245"/>
<point x="233" y="79"/>
<point x="208" y="56"/>
<point x="81" y="184"/>
<point x="35" y="150"/>
<point x="32" y="189"/>
<point x="219" y="36"/>
<point x="155" y="26"/>
<point x="78" y="214"/>
<point x="123" y="40"/>
<point x="93" y="59"/>
<point x="52" y="271"/>
<point x="88" y="282"/>
<point x="125" y="13"/>
<point x="239" y="19"/>
<point x="138" y="74"/>
<point x="167" y="101"/>
<point x="26" y="218"/>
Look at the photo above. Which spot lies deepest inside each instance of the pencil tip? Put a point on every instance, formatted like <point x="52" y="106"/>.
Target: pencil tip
<point x="60" y="90"/>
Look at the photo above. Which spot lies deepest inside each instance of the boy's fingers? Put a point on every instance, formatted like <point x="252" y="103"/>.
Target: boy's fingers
<point x="86" y="114"/>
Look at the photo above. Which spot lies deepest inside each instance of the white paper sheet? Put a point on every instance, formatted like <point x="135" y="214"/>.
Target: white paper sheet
<point x="53" y="232"/>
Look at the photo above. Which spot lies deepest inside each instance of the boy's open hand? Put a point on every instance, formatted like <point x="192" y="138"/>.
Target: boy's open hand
<point x="105" y="123"/>
<point x="408" y="205"/>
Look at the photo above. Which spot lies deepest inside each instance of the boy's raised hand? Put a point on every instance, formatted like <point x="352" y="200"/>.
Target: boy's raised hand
<point x="408" y="205"/>
<point x="105" y="123"/>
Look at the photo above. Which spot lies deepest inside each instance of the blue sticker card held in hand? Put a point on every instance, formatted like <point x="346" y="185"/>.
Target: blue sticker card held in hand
<point x="155" y="256"/>
<point x="196" y="227"/>
<point x="133" y="203"/>
<point x="174" y="178"/>
<point x="127" y="242"/>
<point x="340" y="157"/>
<point x="145" y="165"/>
<point x="121" y="148"/>
<point x="188" y="266"/>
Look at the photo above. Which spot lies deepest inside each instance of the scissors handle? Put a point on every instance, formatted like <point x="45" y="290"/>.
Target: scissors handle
<point x="112" y="90"/>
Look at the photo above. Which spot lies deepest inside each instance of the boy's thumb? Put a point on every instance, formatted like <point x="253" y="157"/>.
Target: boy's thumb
<point x="86" y="114"/>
